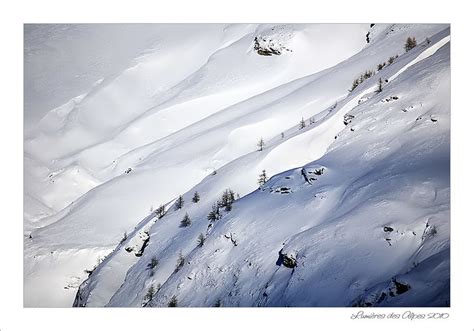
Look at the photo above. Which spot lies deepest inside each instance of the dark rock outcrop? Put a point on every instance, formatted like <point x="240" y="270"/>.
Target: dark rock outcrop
<point x="286" y="260"/>
<point x="348" y="119"/>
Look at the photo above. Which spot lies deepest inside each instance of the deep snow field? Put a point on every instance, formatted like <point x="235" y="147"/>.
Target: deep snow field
<point x="355" y="210"/>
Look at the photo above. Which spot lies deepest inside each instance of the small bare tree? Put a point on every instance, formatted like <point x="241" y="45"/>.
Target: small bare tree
<point x="179" y="202"/>
<point x="180" y="262"/>
<point x="380" y="86"/>
<point x="260" y="145"/>
<point x="302" y="123"/>
<point x="262" y="178"/>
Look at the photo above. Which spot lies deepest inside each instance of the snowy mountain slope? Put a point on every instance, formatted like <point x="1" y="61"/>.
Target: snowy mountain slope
<point x="377" y="219"/>
<point x="167" y="238"/>
<point x="223" y="77"/>
<point x="60" y="132"/>
<point x="169" y="141"/>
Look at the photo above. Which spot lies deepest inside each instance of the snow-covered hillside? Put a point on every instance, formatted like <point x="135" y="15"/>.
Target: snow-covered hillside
<point x="356" y="211"/>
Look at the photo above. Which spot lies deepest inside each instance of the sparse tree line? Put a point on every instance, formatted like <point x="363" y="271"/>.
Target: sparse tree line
<point x="361" y="79"/>
<point x="152" y="291"/>
<point x="302" y="125"/>
<point x="410" y="43"/>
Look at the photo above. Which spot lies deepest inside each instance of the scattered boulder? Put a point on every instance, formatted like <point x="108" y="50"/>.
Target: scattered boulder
<point x="145" y="243"/>
<point x="268" y="52"/>
<point x="318" y="172"/>
<point x="406" y="109"/>
<point x="289" y="261"/>
<point x="397" y="288"/>
<point x="286" y="260"/>
<point x="390" y="99"/>
<point x="430" y="231"/>
<point x="267" y="47"/>
<point x="129" y="170"/>
<point x="378" y="294"/>
<point x="348" y="119"/>
<point x="282" y="190"/>
<point x="363" y="99"/>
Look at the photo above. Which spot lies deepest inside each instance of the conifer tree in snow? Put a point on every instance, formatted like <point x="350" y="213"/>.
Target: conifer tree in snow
<point x="410" y="43"/>
<point x="179" y="202"/>
<point x="302" y="123"/>
<point x="186" y="221"/>
<point x="153" y="263"/>
<point x="173" y="301"/>
<point x="228" y="198"/>
<point x="355" y="83"/>
<point x="379" y="88"/>
<point x="260" y="145"/>
<point x="196" y="197"/>
<point x="160" y="212"/>
<point x="201" y="240"/>
<point x="214" y="214"/>
<point x="180" y="262"/>
<point x="391" y="59"/>
<point x="123" y="238"/>
<point x="368" y="74"/>
<point x="262" y="179"/>
<point x="149" y="294"/>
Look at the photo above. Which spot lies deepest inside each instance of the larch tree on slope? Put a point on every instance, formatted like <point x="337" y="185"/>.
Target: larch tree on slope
<point x="260" y="145"/>
<point x="410" y="43"/>
<point x="302" y="123"/>
<point x="196" y="197"/>
<point x="179" y="202"/>
<point x="262" y="178"/>
<point x="186" y="221"/>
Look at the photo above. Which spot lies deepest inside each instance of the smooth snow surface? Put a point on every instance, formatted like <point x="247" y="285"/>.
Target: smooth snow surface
<point x="360" y="207"/>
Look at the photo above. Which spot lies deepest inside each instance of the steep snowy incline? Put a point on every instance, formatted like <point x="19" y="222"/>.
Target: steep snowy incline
<point x="193" y="153"/>
<point x="57" y="164"/>
<point x="221" y="113"/>
<point x="241" y="176"/>
<point x="366" y="224"/>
